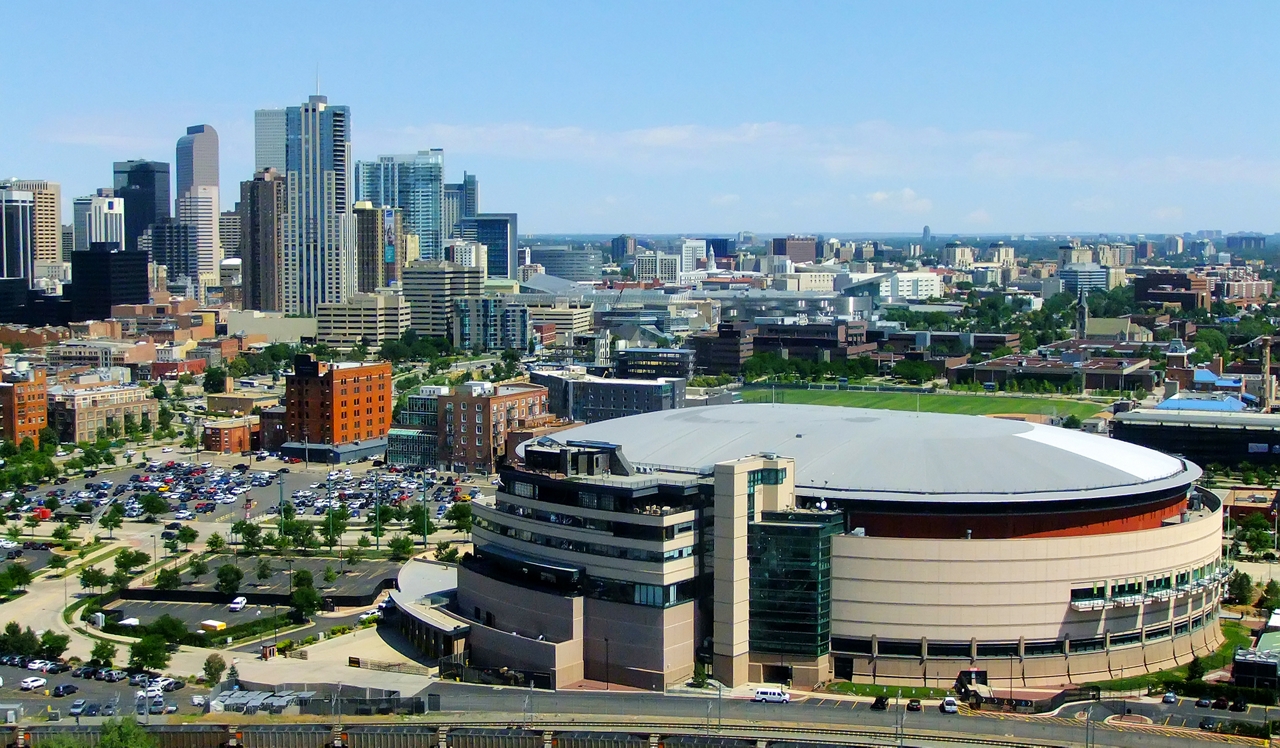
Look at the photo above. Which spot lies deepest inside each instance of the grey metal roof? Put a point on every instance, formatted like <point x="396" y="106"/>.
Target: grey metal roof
<point x="893" y="455"/>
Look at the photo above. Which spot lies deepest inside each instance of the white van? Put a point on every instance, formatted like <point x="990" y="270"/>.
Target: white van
<point x="772" y="696"/>
<point x="237" y="604"/>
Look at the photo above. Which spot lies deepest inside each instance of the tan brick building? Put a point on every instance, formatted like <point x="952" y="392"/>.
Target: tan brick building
<point x="76" y="412"/>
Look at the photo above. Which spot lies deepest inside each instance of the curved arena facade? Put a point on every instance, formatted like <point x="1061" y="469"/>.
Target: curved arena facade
<point x="805" y="543"/>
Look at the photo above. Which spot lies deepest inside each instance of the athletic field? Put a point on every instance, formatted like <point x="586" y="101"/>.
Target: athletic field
<point x="968" y="404"/>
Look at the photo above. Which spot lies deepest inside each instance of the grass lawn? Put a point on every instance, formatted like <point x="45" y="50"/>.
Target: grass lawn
<point x="937" y="403"/>
<point x="906" y="692"/>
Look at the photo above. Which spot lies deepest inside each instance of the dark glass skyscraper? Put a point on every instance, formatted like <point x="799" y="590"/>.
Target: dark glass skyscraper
<point x="144" y="185"/>
<point x="105" y="275"/>
<point x="497" y="231"/>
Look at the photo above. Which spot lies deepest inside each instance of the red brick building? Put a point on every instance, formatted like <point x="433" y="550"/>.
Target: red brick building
<point x="232" y="435"/>
<point x="24" y="404"/>
<point x="337" y="403"/>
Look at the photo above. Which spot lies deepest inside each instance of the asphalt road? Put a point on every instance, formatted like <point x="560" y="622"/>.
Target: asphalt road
<point x="1054" y="730"/>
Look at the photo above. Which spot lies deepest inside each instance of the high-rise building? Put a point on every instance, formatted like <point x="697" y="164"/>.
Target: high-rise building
<point x="319" y="236"/>
<point x="197" y="164"/>
<point x="414" y="184"/>
<point x="270" y="131"/>
<point x="230" y="233"/>
<point x="17" y="234"/>
<point x="198" y="208"/>
<point x="432" y="287"/>
<point x="621" y="247"/>
<point x="380" y="246"/>
<point x="175" y="246"/>
<point x="144" y="187"/>
<point x="957" y="255"/>
<point x="48" y="198"/>
<point x="24" y="403"/>
<point x="262" y="208"/>
<point x="468" y="254"/>
<point x="106" y="275"/>
<point x="497" y="231"/>
<point x="651" y="266"/>
<point x="68" y="244"/>
<point x="198" y="197"/>
<point x="490" y="323"/>
<point x="368" y="319"/>
<point x="98" y="218"/>
<point x="461" y="200"/>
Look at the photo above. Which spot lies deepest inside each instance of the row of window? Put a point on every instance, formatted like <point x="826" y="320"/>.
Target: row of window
<point x="1041" y="648"/>
<point x="608" y="502"/>
<point x="617" y="529"/>
<point x="578" y="546"/>
<point x="1132" y="586"/>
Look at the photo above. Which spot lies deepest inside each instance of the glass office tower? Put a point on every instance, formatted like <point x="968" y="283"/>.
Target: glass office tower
<point x="414" y="184"/>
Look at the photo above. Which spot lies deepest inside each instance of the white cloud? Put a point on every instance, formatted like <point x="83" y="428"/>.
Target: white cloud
<point x="904" y="200"/>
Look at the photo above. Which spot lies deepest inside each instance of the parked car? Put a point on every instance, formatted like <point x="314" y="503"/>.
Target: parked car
<point x="30" y="684"/>
<point x="1221" y="702"/>
<point x="197" y="699"/>
<point x="1209" y="724"/>
<point x="1203" y="702"/>
<point x="913" y="705"/>
<point x="1239" y="705"/>
<point x="949" y="705"/>
<point x="880" y="704"/>
<point x="66" y="689"/>
<point x="1170" y="697"/>
<point x="238" y="604"/>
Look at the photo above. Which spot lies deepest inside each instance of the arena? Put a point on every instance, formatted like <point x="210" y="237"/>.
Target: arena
<point x="804" y="543"/>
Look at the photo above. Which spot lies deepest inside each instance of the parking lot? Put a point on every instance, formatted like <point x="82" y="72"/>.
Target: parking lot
<point x="189" y="613"/>
<point x="360" y="579"/>
<point x="121" y="695"/>
<point x="34" y="560"/>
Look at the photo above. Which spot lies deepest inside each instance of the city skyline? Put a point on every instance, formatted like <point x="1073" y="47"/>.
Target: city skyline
<point x="892" y="118"/>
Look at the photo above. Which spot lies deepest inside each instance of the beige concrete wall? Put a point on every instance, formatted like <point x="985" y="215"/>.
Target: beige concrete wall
<point x="648" y="647"/>
<point x="493" y="648"/>
<point x="1001" y="590"/>
<point x="527" y="612"/>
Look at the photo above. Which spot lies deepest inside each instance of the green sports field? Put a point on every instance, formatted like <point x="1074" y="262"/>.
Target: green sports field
<point x="968" y="404"/>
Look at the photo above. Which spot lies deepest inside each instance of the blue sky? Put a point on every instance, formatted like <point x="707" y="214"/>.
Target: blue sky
<point x="671" y="117"/>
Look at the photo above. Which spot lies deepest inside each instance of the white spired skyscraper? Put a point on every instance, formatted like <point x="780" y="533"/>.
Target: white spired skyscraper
<point x="197" y="203"/>
<point x="319" y="233"/>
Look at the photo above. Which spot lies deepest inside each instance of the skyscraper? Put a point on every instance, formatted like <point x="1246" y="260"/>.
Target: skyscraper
<point x="174" y="245"/>
<point x="197" y="159"/>
<point x="497" y="231"/>
<point x="106" y="275"/>
<point x="17" y="234"/>
<point x="319" y="236"/>
<point x="414" y="184"/>
<point x="229" y="233"/>
<point x="197" y="205"/>
<point x="380" y="250"/>
<point x="461" y="200"/>
<point x="262" y="209"/>
<point x="270" y="131"/>
<point x="98" y="218"/>
<point x="48" y="197"/>
<point x="144" y="187"/>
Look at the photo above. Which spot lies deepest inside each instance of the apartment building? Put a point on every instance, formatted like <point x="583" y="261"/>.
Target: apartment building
<point x="431" y="289"/>
<point x="24" y="404"/>
<point x="337" y="403"/>
<point x="101" y="353"/>
<point x="76" y="412"/>
<point x="574" y="394"/>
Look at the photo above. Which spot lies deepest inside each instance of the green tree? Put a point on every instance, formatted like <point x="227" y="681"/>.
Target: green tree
<point x="94" y="578"/>
<point x="62" y="533"/>
<point x="303" y="578"/>
<point x="169" y="628"/>
<point x="215" y="543"/>
<point x="420" y="525"/>
<point x="1072" y="422"/>
<point x="1195" y="669"/>
<point x="168" y="579"/>
<point x="187" y="535"/>
<point x="1240" y="588"/>
<point x="229" y="578"/>
<point x="128" y="560"/>
<point x="19" y="575"/>
<point x="460" y="515"/>
<point x="263" y="569"/>
<point x="151" y="652"/>
<point x="103" y="653"/>
<point x="401" y="547"/>
<point x="215" y="380"/>
<point x="334" y="525"/>
<point x="305" y="602"/>
<point x="353" y="555"/>
<point x="53" y="645"/>
<point x="214" y="667"/>
<point x="160" y="392"/>
<point x="330" y="576"/>
<point x="446" y="552"/>
<point x="198" y="568"/>
<point x="165" y="417"/>
<point x="112" y="520"/>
